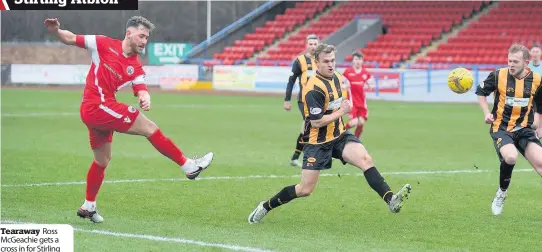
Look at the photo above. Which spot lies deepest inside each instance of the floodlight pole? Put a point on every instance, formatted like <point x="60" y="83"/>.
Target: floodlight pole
<point x="208" y="21"/>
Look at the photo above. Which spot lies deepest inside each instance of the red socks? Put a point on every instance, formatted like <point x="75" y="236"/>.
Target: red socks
<point x="96" y="172"/>
<point x="95" y="177"/>
<point x="165" y="146"/>
<point x="358" y="131"/>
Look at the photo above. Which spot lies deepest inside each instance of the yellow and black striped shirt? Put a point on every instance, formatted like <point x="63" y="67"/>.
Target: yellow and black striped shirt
<point x="514" y="99"/>
<point x="322" y="96"/>
<point x="302" y="70"/>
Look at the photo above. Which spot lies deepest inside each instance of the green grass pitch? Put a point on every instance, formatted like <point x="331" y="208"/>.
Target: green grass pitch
<point x="43" y="140"/>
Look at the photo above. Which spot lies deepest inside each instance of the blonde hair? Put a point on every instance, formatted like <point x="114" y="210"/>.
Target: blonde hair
<point x="520" y="48"/>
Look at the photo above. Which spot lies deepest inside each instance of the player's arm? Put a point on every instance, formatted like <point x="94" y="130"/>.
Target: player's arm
<point x="315" y="102"/>
<point x="90" y="42"/>
<point x="296" y="72"/>
<point x="484" y="89"/>
<point x="371" y="81"/>
<point x="64" y="36"/>
<point x="346" y="82"/>
<point x="144" y="99"/>
<point x="537" y="121"/>
<point x="139" y="87"/>
<point x="538" y="112"/>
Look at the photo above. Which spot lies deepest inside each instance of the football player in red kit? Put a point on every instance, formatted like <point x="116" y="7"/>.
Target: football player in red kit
<point x="357" y="77"/>
<point x="115" y="64"/>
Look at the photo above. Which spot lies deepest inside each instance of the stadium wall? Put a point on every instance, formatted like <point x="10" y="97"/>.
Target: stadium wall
<point x="391" y="84"/>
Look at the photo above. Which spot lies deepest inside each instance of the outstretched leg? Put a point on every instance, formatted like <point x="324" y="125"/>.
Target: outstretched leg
<point x="309" y="179"/>
<point x="356" y="154"/>
<point x="533" y="153"/>
<point x="145" y="127"/>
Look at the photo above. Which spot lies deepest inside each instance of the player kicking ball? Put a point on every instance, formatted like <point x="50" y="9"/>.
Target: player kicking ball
<point x="115" y="64"/>
<point x="326" y="138"/>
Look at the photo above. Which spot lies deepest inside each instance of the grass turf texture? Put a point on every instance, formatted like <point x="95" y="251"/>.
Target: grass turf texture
<point x="43" y="140"/>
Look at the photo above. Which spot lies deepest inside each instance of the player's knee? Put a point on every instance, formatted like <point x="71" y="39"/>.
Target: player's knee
<point x="510" y="158"/>
<point x="149" y="128"/>
<point x="366" y="161"/>
<point x="537" y="165"/>
<point x="303" y="191"/>
<point x="103" y="160"/>
<point x="152" y="127"/>
<point x="143" y="126"/>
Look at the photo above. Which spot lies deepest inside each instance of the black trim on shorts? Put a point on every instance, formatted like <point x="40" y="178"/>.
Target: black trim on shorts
<point x="320" y="156"/>
<point x="520" y="139"/>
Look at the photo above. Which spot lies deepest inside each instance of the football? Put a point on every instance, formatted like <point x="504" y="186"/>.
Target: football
<point x="460" y="80"/>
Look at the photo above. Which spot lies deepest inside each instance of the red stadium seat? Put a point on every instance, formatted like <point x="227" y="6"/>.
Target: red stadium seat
<point x="487" y="40"/>
<point x="272" y="30"/>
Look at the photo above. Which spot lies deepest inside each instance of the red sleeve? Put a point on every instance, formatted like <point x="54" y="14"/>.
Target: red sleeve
<point x="138" y="88"/>
<point x="90" y="42"/>
<point x="139" y="83"/>
<point x="80" y="41"/>
<point x="345" y="71"/>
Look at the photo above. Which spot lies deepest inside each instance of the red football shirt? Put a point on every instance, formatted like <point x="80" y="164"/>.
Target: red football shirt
<point x="110" y="69"/>
<point x="357" y="85"/>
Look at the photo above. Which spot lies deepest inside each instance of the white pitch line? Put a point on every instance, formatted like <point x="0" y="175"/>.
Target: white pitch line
<point x="158" y="238"/>
<point x="250" y="177"/>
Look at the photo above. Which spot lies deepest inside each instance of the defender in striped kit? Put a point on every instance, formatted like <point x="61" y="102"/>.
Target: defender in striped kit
<point x="115" y="64"/>
<point x="302" y="69"/>
<point x="515" y="118"/>
<point x="326" y="138"/>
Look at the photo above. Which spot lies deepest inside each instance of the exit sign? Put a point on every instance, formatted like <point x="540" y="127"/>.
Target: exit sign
<point x="167" y="53"/>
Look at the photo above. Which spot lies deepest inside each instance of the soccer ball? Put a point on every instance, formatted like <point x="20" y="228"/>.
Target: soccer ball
<point x="460" y="80"/>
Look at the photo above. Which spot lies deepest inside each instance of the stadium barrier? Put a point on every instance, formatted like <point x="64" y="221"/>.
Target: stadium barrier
<point x="169" y="77"/>
<point x="390" y="84"/>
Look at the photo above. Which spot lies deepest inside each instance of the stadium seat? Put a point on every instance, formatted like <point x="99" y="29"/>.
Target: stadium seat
<point x="270" y="32"/>
<point x="486" y="40"/>
<point x="404" y="36"/>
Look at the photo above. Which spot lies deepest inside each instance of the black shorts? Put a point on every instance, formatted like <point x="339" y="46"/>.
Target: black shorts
<point x="301" y="107"/>
<point x="320" y="156"/>
<point x="519" y="138"/>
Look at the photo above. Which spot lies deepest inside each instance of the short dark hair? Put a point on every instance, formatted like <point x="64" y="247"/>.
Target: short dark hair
<point x="535" y="46"/>
<point x="357" y="54"/>
<point x="136" y="21"/>
<point x="323" y="48"/>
